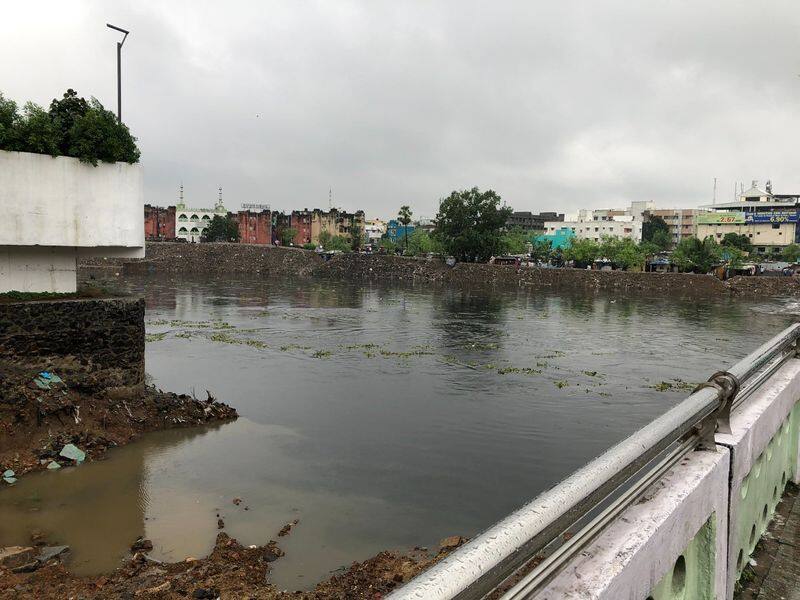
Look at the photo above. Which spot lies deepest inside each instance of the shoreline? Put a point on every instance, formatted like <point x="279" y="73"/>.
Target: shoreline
<point x="221" y="258"/>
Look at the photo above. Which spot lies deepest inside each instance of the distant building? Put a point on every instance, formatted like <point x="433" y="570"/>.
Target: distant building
<point x="558" y="238"/>
<point x="397" y="232"/>
<point x="191" y="222"/>
<point x="531" y="222"/>
<point x="596" y="224"/>
<point x="309" y="224"/>
<point x="681" y="222"/>
<point x="159" y="223"/>
<point x="374" y="229"/>
<point x="769" y="220"/>
<point x="255" y="227"/>
<point x="425" y="224"/>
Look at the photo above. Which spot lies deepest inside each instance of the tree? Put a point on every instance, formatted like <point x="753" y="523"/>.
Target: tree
<point x="582" y="252"/>
<point x="71" y="127"/>
<point x="791" y="253"/>
<point x="356" y="237"/>
<point x="222" y="229"/>
<point x="652" y="225"/>
<point x="661" y="239"/>
<point x="691" y="254"/>
<point x="388" y="245"/>
<point x="404" y="218"/>
<point x="737" y="240"/>
<point x="515" y="241"/>
<point x="542" y="249"/>
<point x="421" y="242"/>
<point x="37" y="132"/>
<point x="470" y="224"/>
<point x="333" y="242"/>
<point x="287" y="235"/>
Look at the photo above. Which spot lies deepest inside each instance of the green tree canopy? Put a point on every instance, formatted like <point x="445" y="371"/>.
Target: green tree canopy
<point x="404" y="218"/>
<point x="691" y="254"/>
<point x="356" y="237"/>
<point x="469" y="224"/>
<point x="737" y="240"/>
<point x="287" y="235"/>
<point x="516" y="241"/>
<point x="653" y="225"/>
<point x="542" y="249"/>
<point x="582" y="252"/>
<point x="72" y="127"/>
<point x="222" y="229"/>
<point x="334" y="242"/>
<point x="791" y="253"/>
<point x="661" y="239"/>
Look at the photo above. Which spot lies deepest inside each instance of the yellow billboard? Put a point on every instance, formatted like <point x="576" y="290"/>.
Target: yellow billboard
<point x="720" y="218"/>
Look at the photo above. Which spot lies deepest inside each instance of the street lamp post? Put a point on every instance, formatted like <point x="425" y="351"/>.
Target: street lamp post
<point x="119" y="69"/>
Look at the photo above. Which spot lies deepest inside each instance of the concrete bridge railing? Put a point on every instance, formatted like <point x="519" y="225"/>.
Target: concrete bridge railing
<point x="673" y="511"/>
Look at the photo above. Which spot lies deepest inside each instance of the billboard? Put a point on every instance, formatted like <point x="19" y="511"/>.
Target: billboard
<point x="720" y="218"/>
<point x="775" y="216"/>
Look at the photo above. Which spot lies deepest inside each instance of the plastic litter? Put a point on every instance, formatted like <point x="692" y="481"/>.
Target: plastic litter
<point x="72" y="452"/>
<point x="53" y="466"/>
<point x="8" y="476"/>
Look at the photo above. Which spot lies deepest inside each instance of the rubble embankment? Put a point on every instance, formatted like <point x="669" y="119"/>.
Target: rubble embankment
<point x="42" y="414"/>
<point x="174" y="258"/>
<point x="231" y="571"/>
<point x="72" y="376"/>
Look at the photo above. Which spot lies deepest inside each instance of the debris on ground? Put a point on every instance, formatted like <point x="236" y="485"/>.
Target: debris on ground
<point x="73" y="453"/>
<point x="141" y="545"/>
<point x="47" y="422"/>
<point x="287" y="528"/>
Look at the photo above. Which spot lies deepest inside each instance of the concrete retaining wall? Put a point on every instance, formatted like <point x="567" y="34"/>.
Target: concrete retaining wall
<point x="96" y="343"/>
<point x="58" y="209"/>
<point x="692" y="533"/>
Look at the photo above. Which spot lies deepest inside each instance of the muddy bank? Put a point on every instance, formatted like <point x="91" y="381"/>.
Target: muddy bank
<point x="174" y="258"/>
<point x="42" y="411"/>
<point x="231" y="571"/>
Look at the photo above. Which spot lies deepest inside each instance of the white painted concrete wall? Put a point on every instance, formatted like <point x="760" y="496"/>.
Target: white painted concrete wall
<point x="634" y="553"/>
<point x="37" y="269"/>
<point x="54" y="209"/>
<point x="737" y="487"/>
<point x="60" y="201"/>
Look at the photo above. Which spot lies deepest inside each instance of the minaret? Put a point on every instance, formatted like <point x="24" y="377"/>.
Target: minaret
<point x="219" y="207"/>
<point x="181" y="204"/>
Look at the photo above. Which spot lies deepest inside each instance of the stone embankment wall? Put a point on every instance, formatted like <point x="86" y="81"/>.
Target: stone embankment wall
<point x="175" y="258"/>
<point x="97" y="344"/>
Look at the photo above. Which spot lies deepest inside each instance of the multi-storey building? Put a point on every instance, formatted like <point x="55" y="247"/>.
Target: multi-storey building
<point x="255" y="227"/>
<point x="768" y="220"/>
<point x="309" y="224"/>
<point x="681" y="222"/>
<point x="596" y="224"/>
<point x="159" y="223"/>
<point x="191" y="222"/>
<point x="531" y="222"/>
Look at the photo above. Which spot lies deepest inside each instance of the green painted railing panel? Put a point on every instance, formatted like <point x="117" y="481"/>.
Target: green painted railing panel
<point x="763" y="486"/>
<point x="692" y="575"/>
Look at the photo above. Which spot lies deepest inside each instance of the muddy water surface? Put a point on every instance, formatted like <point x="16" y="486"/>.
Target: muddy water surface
<point x="379" y="416"/>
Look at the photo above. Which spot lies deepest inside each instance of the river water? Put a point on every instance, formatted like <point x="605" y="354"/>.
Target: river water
<point x="380" y="416"/>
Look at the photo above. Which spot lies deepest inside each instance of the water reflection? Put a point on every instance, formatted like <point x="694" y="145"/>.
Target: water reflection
<point x="380" y="415"/>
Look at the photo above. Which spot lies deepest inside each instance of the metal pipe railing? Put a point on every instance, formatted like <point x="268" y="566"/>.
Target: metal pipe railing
<point x="477" y="567"/>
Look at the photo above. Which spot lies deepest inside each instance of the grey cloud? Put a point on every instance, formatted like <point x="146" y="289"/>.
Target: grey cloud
<point x="553" y="104"/>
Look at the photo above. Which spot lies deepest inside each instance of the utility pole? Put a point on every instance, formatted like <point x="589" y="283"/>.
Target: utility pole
<point x="119" y="69"/>
<point x="714" y="201"/>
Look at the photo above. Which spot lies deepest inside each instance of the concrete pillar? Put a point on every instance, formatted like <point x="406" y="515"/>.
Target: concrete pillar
<point x="37" y="269"/>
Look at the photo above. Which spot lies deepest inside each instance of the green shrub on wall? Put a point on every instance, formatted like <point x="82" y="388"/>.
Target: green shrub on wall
<point x="71" y="127"/>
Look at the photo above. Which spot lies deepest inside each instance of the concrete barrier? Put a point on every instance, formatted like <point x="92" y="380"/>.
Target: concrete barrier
<point x="671" y="544"/>
<point x="57" y="210"/>
<point x="691" y="535"/>
<point x="764" y="456"/>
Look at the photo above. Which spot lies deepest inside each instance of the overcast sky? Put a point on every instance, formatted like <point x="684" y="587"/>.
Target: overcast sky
<point x="556" y="105"/>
